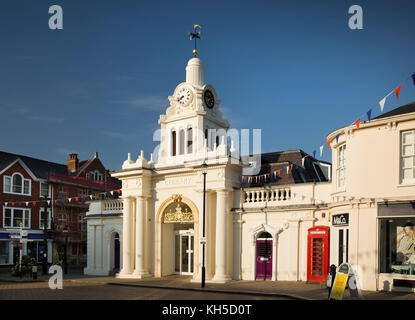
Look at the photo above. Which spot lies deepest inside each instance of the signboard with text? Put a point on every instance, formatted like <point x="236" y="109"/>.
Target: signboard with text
<point x="340" y="219"/>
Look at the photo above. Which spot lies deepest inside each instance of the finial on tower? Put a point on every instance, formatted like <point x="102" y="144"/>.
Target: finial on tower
<point x="195" y="34"/>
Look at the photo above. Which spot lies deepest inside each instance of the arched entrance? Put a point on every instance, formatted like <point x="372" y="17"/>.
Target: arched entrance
<point x="176" y="231"/>
<point x="116" y="245"/>
<point x="264" y="256"/>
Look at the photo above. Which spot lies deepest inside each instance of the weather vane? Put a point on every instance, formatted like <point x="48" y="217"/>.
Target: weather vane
<point x="195" y="34"/>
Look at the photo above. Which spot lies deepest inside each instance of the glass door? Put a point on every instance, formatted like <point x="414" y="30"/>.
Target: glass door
<point x="184" y="248"/>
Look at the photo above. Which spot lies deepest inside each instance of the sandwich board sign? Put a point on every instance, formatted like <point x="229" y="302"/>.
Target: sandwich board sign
<point x="345" y="276"/>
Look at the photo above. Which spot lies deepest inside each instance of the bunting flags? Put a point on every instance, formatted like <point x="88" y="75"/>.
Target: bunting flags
<point x="62" y="200"/>
<point x="382" y="104"/>
<point x="278" y="172"/>
<point x="369" y="114"/>
<point x="397" y="91"/>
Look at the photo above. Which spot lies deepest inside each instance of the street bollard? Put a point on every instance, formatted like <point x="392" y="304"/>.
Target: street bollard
<point x="34" y="272"/>
<point x="332" y="272"/>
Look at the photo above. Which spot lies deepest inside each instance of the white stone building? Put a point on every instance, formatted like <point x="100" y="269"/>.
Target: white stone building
<point x="251" y="230"/>
<point x="289" y="226"/>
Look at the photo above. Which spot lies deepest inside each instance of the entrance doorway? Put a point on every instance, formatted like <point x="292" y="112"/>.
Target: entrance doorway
<point x="116" y="251"/>
<point x="343" y="247"/>
<point x="264" y="256"/>
<point x="184" y="251"/>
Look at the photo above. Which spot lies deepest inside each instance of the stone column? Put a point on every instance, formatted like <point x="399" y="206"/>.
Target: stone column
<point x="140" y="237"/>
<point x="99" y="247"/>
<point x="126" y="238"/>
<point x="221" y="238"/>
<point x="294" y="250"/>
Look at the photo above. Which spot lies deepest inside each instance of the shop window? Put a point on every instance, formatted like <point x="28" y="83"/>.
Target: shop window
<point x="4" y="252"/>
<point x="397" y="245"/>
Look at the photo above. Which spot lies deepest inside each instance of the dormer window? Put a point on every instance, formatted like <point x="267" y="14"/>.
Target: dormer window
<point x="16" y="184"/>
<point x="96" y="175"/>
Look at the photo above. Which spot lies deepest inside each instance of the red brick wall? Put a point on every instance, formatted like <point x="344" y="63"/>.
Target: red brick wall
<point x="35" y="192"/>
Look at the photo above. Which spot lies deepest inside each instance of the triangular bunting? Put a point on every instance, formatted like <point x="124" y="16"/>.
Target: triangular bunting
<point x="321" y="150"/>
<point x="382" y="104"/>
<point x="357" y="124"/>
<point x="369" y="114"/>
<point x="397" y="91"/>
<point x="328" y="145"/>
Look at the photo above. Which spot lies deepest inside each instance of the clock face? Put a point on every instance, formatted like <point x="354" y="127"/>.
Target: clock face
<point x="209" y="99"/>
<point x="183" y="96"/>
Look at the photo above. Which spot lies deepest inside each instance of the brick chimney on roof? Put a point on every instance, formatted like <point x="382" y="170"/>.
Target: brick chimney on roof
<point x="73" y="162"/>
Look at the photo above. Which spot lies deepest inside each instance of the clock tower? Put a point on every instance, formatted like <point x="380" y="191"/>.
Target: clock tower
<point x="192" y="119"/>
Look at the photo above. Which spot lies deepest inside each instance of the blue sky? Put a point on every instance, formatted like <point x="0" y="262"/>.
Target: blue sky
<point x="292" y="68"/>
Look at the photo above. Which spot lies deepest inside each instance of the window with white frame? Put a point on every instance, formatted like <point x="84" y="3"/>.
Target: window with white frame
<point x="17" y="184"/>
<point x="408" y="156"/>
<point x="96" y="176"/>
<point x="16" y="218"/>
<point x="45" y="189"/>
<point x="45" y="218"/>
<point x="341" y="167"/>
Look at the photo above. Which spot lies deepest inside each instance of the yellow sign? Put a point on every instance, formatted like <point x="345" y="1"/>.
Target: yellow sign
<point x="339" y="286"/>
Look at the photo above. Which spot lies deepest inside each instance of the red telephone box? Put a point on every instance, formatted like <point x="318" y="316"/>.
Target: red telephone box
<point x="318" y="253"/>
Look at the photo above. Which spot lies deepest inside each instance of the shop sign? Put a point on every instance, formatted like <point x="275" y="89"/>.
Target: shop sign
<point x="340" y="219"/>
<point x="345" y="275"/>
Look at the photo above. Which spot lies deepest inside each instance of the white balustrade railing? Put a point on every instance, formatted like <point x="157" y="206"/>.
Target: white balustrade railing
<point x="112" y="206"/>
<point x="261" y="195"/>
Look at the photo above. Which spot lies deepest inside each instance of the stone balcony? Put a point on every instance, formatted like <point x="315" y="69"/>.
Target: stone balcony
<point x="105" y="207"/>
<point x="288" y="195"/>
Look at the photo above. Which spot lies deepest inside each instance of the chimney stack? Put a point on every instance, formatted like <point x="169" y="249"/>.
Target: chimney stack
<point x="73" y="162"/>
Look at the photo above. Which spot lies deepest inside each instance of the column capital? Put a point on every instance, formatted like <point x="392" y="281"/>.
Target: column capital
<point x="222" y="190"/>
<point x="142" y="197"/>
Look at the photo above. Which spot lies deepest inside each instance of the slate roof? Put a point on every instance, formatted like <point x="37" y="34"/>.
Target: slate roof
<point x="408" y="108"/>
<point x="38" y="167"/>
<point x="273" y="161"/>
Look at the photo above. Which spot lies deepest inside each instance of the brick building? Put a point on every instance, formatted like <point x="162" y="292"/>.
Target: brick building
<point x="35" y="193"/>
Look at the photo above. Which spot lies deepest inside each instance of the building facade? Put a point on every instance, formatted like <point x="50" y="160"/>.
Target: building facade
<point x="253" y="231"/>
<point x="289" y="226"/>
<point x="372" y="197"/>
<point x="34" y="197"/>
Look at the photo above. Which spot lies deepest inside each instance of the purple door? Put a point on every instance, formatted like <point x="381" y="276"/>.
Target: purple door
<point x="263" y="259"/>
<point x="117" y="252"/>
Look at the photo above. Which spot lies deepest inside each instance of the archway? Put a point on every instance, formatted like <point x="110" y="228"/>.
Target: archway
<point x="116" y="252"/>
<point x="264" y="256"/>
<point x="177" y="227"/>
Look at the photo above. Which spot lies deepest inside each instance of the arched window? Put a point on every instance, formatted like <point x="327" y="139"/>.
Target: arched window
<point x="173" y="143"/>
<point x="189" y="140"/>
<point x="181" y="142"/>
<point x="264" y="235"/>
<point x="16" y="184"/>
